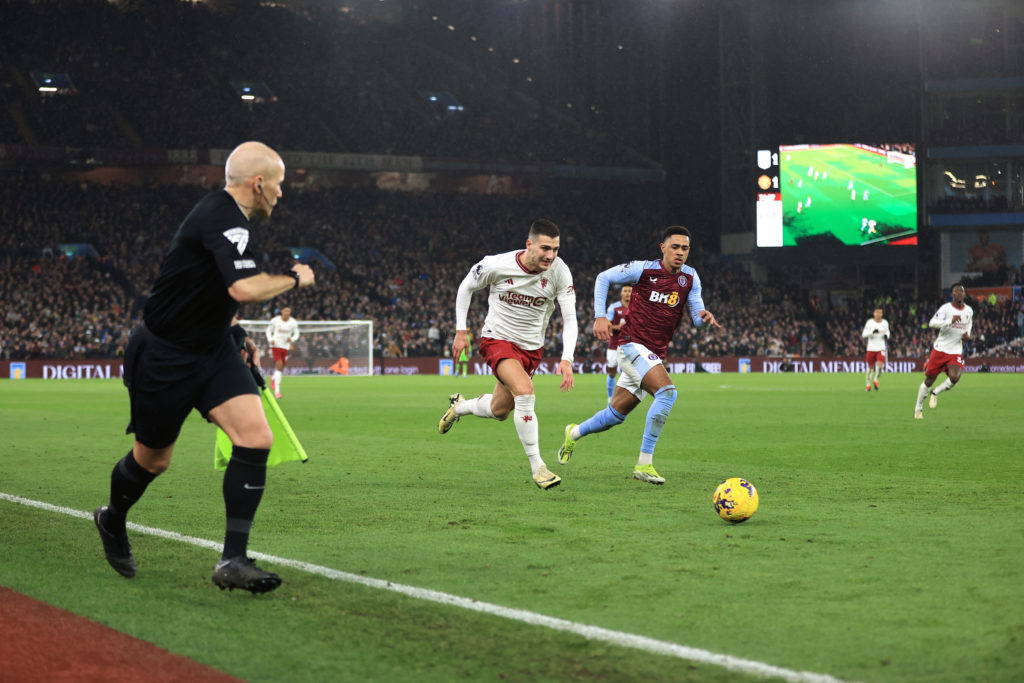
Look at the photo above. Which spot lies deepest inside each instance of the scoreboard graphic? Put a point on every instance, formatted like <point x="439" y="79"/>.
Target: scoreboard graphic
<point x="836" y="194"/>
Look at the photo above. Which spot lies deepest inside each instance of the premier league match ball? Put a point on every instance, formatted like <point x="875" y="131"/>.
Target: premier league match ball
<point x="735" y="500"/>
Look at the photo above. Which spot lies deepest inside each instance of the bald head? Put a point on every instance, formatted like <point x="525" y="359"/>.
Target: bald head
<point x="253" y="175"/>
<point x="248" y="160"/>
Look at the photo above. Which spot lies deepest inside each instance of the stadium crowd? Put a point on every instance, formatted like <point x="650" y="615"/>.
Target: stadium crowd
<point x="351" y="86"/>
<point x="397" y="258"/>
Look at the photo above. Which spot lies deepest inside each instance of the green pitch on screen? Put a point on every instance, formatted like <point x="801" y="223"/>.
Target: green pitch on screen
<point x="823" y="193"/>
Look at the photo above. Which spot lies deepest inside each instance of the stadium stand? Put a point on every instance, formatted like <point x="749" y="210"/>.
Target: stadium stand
<point x="60" y="306"/>
<point x="354" y="86"/>
<point x="339" y="85"/>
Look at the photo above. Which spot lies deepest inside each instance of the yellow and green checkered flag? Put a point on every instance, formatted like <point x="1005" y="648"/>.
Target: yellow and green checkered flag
<point x="286" y="444"/>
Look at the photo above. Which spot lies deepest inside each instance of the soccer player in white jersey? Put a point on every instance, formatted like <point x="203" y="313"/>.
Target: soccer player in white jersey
<point x="876" y="333"/>
<point x="953" y="320"/>
<point x="523" y="287"/>
<point x="282" y="332"/>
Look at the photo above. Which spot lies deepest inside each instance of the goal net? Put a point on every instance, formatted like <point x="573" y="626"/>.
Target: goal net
<point x="324" y="347"/>
<point x="894" y="157"/>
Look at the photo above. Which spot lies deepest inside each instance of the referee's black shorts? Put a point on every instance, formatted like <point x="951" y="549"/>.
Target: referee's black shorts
<point x="165" y="382"/>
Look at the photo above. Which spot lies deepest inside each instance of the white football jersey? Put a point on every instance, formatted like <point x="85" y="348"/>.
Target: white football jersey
<point x="520" y="303"/>
<point x="282" y="333"/>
<point x="876" y="334"/>
<point x="953" y="323"/>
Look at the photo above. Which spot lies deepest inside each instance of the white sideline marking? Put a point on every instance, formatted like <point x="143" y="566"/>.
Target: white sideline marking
<point x="621" y="638"/>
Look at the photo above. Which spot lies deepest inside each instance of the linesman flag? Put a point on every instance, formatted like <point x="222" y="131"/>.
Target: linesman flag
<point x="286" y="445"/>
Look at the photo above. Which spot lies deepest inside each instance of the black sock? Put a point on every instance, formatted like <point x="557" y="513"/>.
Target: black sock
<point x="244" y="481"/>
<point x="128" y="481"/>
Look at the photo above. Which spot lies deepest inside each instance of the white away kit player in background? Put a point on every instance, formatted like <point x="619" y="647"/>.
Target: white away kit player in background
<point x="523" y="287"/>
<point x="282" y="332"/>
<point x="954" y="321"/>
<point x="876" y="333"/>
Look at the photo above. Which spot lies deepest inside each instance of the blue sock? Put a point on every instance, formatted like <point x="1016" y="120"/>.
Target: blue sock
<point x="656" y="416"/>
<point x="611" y="385"/>
<point x="601" y="420"/>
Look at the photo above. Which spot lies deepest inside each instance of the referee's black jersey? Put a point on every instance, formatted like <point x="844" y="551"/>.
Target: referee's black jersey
<point x="189" y="305"/>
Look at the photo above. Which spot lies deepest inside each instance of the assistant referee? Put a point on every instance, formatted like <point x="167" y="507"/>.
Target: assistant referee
<point x="182" y="356"/>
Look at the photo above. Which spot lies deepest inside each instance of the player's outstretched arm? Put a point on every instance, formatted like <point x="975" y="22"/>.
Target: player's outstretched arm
<point x="570" y="326"/>
<point x="625" y="274"/>
<point x="462" y="299"/>
<point x="695" y="302"/>
<point x="264" y="286"/>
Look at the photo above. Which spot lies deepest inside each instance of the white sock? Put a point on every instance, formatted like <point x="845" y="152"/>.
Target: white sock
<point x="479" y="406"/>
<point x="526" y="428"/>
<point x="922" y="392"/>
<point x="878" y="371"/>
<point x="574" y="433"/>
<point x="945" y="386"/>
<point x="645" y="459"/>
<point x="867" y="377"/>
<point x="277" y="381"/>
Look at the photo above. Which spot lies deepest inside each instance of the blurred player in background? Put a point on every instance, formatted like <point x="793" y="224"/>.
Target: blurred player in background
<point x="184" y="356"/>
<point x="876" y="333"/>
<point x="282" y="333"/>
<point x="663" y="292"/>
<point x="523" y="287"/>
<point x="617" y="313"/>
<point x="954" y="321"/>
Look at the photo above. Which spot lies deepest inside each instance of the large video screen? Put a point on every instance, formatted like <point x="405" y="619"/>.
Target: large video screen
<point x="850" y="194"/>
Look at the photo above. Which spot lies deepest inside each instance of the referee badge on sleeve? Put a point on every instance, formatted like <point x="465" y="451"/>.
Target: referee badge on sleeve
<point x="239" y="237"/>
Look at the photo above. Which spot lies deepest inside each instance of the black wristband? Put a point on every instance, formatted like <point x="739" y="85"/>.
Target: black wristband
<point x="296" y="276"/>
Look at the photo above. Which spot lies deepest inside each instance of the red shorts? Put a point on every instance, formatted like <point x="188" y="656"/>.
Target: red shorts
<point x="496" y="350"/>
<point x="939" y="361"/>
<point x="873" y="357"/>
<point x="280" y="355"/>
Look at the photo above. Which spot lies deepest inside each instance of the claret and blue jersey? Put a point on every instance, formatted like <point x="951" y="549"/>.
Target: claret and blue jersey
<point x="659" y="300"/>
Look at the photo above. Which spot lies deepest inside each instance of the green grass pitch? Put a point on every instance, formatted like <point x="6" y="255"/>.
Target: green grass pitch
<point x="884" y="549"/>
<point x="836" y="209"/>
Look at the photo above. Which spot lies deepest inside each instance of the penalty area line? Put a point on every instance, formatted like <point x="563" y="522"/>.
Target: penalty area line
<point x="598" y="633"/>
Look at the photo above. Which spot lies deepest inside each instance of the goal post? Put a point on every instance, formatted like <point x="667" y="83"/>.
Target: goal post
<point x="324" y="347"/>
